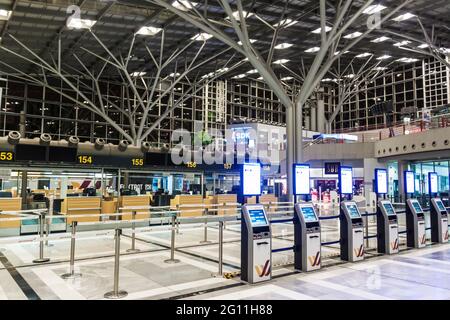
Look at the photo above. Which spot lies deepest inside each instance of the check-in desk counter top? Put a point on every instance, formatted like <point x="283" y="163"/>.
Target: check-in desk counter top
<point x="134" y="201"/>
<point x="187" y="205"/>
<point x="266" y="199"/>
<point x="10" y="204"/>
<point x="74" y="206"/>
<point x="225" y="204"/>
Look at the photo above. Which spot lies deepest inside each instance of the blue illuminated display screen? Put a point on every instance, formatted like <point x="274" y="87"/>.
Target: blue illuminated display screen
<point x="417" y="206"/>
<point x="389" y="209"/>
<point x="346" y="180"/>
<point x="353" y="211"/>
<point x="440" y="205"/>
<point x="308" y="214"/>
<point x="257" y="217"/>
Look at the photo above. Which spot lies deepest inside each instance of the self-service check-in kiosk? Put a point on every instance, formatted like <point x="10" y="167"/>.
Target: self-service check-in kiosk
<point x="352" y="235"/>
<point x="415" y="224"/>
<point x="387" y="228"/>
<point x="307" y="238"/>
<point x="256" y="244"/>
<point x="439" y="221"/>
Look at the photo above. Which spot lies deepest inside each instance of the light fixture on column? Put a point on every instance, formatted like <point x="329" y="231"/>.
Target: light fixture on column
<point x="14" y="137"/>
<point x="99" y="143"/>
<point x="44" y="139"/>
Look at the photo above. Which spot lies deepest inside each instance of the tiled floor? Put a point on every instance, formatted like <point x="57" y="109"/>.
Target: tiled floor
<point x="413" y="274"/>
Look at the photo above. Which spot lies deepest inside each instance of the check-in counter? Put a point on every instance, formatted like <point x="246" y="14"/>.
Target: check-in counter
<point x="109" y="206"/>
<point x="134" y="201"/>
<point x="187" y="205"/>
<point x="269" y="199"/>
<point x="80" y="206"/>
<point x="226" y="204"/>
<point x="10" y="204"/>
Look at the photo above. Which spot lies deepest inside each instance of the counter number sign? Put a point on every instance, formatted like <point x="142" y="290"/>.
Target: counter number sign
<point x="6" y="156"/>
<point x="137" y="162"/>
<point x="85" y="159"/>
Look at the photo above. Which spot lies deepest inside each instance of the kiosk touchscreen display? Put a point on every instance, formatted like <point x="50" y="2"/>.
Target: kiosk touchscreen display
<point x="257" y="217"/>
<point x="353" y="211"/>
<point x="417" y="206"/>
<point x="440" y="205"/>
<point x="389" y="209"/>
<point x="309" y="214"/>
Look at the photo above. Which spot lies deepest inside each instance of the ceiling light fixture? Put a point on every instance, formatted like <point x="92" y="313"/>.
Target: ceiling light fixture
<point x="183" y="5"/>
<point x="319" y="30"/>
<point x="5" y="14"/>
<point x="404" y="17"/>
<point x="402" y="43"/>
<point x="282" y="46"/>
<point x="201" y="36"/>
<point x="384" y="57"/>
<point x="251" y="41"/>
<point x="281" y="61"/>
<point x="313" y="49"/>
<point x="353" y="35"/>
<point x="380" y="39"/>
<point x="374" y="9"/>
<point x="149" y="31"/>
<point x="286" y="78"/>
<point x="285" y="23"/>
<point x="237" y="16"/>
<point x="74" y="23"/>
<point x="363" y="55"/>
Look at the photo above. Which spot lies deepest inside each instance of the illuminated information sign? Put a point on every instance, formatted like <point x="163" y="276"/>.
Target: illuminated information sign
<point x="433" y="182"/>
<point x="251" y="179"/>
<point x="409" y="182"/>
<point x="301" y="176"/>
<point x="346" y="180"/>
<point x="381" y="181"/>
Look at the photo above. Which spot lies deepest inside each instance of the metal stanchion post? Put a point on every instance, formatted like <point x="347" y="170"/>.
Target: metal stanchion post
<point x="48" y="225"/>
<point x="41" y="258"/>
<point x="367" y="231"/>
<point x="116" y="293"/>
<point x="220" y="273"/>
<point x="205" y="232"/>
<point x="72" y="273"/>
<point x="133" y="234"/>
<point x="178" y="223"/>
<point x="172" y="242"/>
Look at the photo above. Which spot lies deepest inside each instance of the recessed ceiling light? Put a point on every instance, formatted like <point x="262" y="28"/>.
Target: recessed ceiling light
<point x="313" y="49"/>
<point x="402" y="43"/>
<point x="423" y="46"/>
<point x="350" y="76"/>
<point x="318" y="30"/>
<point x="285" y="23"/>
<point x="281" y="61"/>
<point x="337" y="52"/>
<point x="183" y="5"/>
<point x="260" y="78"/>
<point x="380" y="68"/>
<point x="239" y="76"/>
<point x="374" y="9"/>
<point x="286" y="78"/>
<point x="148" y="31"/>
<point x="251" y="41"/>
<point x="245" y="14"/>
<point x="380" y="39"/>
<point x="173" y="75"/>
<point x="75" y="23"/>
<point x="363" y="55"/>
<point x="252" y="71"/>
<point x="201" y="37"/>
<point x="353" y="35"/>
<point x="384" y="57"/>
<point x="282" y="46"/>
<point x="327" y="80"/>
<point x="404" y="17"/>
<point x="5" y="14"/>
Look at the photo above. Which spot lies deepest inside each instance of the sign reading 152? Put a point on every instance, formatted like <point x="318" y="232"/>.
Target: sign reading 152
<point x="85" y="160"/>
<point x="6" y="156"/>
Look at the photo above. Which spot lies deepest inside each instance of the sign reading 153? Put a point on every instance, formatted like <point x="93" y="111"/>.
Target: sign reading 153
<point x="85" y="160"/>
<point x="6" y="156"/>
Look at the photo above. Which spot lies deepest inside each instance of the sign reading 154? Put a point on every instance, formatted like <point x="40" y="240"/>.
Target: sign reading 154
<point x="85" y="160"/>
<point x="6" y="156"/>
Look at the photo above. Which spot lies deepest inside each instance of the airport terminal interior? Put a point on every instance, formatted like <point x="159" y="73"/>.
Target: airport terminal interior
<point x="224" y="149"/>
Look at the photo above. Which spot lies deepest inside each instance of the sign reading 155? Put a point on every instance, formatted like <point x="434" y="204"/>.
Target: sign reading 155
<point x="138" y="162"/>
<point x="6" y="156"/>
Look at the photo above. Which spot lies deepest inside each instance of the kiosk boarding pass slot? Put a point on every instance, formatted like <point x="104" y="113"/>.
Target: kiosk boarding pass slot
<point x="439" y="221"/>
<point x="387" y="228"/>
<point x="415" y="224"/>
<point x="256" y="250"/>
<point x="352" y="234"/>
<point x="307" y="249"/>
